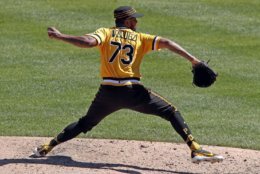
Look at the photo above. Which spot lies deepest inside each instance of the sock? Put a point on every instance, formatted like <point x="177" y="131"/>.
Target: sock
<point x="194" y="146"/>
<point x="183" y="130"/>
<point x="71" y="131"/>
<point x="53" y="142"/>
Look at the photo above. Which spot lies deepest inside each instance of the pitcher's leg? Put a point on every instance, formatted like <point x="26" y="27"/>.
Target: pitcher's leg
<point x="157" y="105"/>
<point x="96" y="113"/>
<point x="99" y="109"/>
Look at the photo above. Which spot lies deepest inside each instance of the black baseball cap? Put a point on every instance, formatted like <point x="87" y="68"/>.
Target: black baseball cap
<point x="124" y="12"/>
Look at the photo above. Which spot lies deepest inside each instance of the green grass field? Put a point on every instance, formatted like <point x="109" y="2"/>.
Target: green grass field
<point x="45" y="84"/>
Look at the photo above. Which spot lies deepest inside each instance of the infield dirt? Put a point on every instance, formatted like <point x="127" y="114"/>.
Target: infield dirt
<point x="98" y="156"/>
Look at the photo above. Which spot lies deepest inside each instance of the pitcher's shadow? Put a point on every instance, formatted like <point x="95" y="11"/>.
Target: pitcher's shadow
<point x="69" y="162"/>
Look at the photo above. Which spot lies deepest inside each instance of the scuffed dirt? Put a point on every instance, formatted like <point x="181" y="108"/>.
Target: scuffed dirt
<point x="98" y="156"/>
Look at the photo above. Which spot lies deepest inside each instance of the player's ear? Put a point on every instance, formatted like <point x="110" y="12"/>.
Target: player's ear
<point x="127" y="23"/>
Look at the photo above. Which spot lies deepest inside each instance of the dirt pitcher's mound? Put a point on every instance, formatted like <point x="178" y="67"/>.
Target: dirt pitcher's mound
<point x="97" y="156"/>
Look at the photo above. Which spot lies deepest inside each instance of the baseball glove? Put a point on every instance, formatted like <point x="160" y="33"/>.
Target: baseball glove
<point x="203" y="75"/>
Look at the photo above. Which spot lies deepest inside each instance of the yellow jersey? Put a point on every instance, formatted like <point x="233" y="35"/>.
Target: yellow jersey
<point x="122" y="51"/>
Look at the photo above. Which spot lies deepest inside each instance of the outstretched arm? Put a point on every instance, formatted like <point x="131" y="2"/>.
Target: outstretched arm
<point x="80" y="41"/>
<point x="174" y="47"/>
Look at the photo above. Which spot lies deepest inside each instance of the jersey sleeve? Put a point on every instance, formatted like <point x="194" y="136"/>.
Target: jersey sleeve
<point x="99" y="35"/>
<point x="150" y="42"/>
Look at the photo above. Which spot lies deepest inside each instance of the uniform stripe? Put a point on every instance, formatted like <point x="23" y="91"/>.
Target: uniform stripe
<point x="125" y="13"/>
<point x="96" y="37"/>
<point x="174" y="108"/>
<point x="123" y="16"/>
<point x="99" y="38"/>
<point x="121" y="84"/>
<point x="154" y="42"/>
<point x="126" y="78"/>
<point x="120" y="81"/>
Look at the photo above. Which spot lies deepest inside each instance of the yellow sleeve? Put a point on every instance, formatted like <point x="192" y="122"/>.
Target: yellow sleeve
<point x="99" y="35"/>
<point x="150" y="42"/>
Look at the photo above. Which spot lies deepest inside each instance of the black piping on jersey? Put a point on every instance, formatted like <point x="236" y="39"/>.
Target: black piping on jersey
<point x="99" y="38"/>
<point x="126" y="78"/>
<point x="154" y="42"/>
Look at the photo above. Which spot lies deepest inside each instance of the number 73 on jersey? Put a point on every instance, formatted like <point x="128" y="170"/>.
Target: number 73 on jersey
<point x="119" y="47"/>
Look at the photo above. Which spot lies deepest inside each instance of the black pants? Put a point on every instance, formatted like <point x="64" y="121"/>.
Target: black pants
<point x="135" y="97"/>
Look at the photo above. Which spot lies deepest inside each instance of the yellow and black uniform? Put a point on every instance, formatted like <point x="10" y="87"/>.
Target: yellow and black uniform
<point x="122" y="51"/>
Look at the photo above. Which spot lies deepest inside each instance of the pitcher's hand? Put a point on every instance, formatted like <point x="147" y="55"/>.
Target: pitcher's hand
<point x="53" y="33"/>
